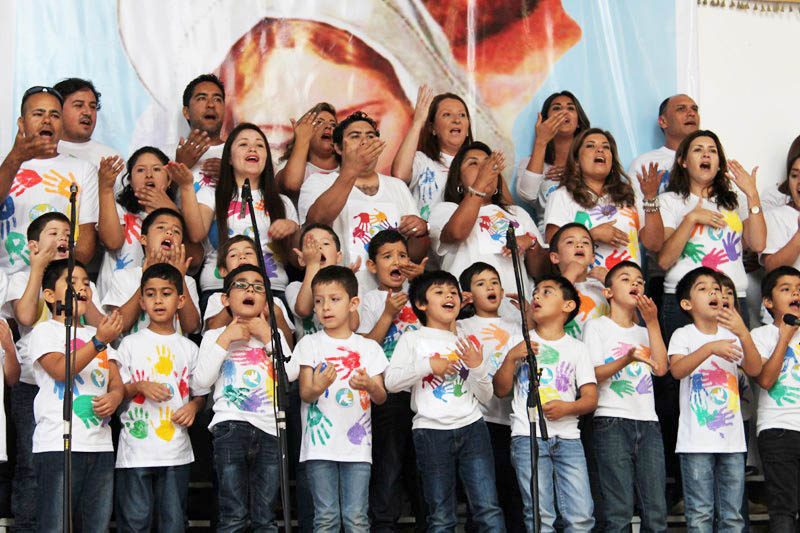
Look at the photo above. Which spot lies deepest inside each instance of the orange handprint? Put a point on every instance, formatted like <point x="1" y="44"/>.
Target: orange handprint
<point x="496" y="333"/>
<point x="587" y="305"/>
<point x="632" y="215"/>
<point x="166" y="428"/>
<point x="58" y="183"/>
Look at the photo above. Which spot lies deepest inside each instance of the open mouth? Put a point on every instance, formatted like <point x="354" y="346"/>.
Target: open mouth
<point x="599" y="159"/>
<point x="580" y="253"/>
<point x="714" y="304"/>
<point x="449" y="305"/>
<point x="151" y="184"/>
<point x="85" y="121"/>
<point x="536" y="306"/>
<point x="492" y="297"/>
<point x="159" y="310"/>
<point x="252" y="159"/>
<point x="322" y="258"/>
<point x="726" y="304"/>
<point x="166" y="244"/>
<point x="705" y="165"/>
<point x="81" y="297"/>
<point x="326" y="137"/>
<point x="249" y="300"/>
<point x="634" y="292"/>
<point x="46" y="132"/>
<point x="794" y="305"/>
<point x="455" y="131"/>
<point x="690" y="123"/>
<point x="210" y="116"/>
<point x="395" y="274"/>
<point x="61" y="248"/>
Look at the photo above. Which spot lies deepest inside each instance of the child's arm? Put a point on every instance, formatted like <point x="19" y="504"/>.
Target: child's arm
<point x="129" y="311"/>
<point x="198" y="217"/>
<point x="314" y="381"/>
<point x="682" y="365"/>
<point x="157" y="392"/>
<point x="772" y="368"/>
<point x="109" y="229"/>
<point x="105" y="404"/>
<point x="93" y="315"/>
<point x="373" y="385"/>
<point x="732" y="320"/>
<point x="395" y="301"/>
<point x="11" y="368"/>
<point x="503" y="381"/>
<point x="188" y="315"/>
<point x="405" y="370"/>
<point x="309" y="257"/>
<point x="185" y="415"/>
<point x="214" y="351"/>
<point x="26" y="306"/>
<point x="658" y="351"/>
<point x="586" y="403"/>
<point x="471" y="355"/>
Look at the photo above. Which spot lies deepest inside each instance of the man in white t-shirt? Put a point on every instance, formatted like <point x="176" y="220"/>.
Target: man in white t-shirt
<point x="81" y="104"/>
<point x="36" y="179"/>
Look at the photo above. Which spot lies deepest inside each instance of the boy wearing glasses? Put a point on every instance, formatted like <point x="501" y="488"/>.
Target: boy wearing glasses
<point x="237" y="361"/>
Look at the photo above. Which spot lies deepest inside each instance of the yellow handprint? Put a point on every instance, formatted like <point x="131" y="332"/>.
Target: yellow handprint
<point x="165" y="360"/>
<point x="166" y="429"/>
<point x="633" y="244"/>
<point x="494" y="332"/>
<point x="548" y="394"/>
<point x="58" y="183"/>
<point x="732" y="220"/>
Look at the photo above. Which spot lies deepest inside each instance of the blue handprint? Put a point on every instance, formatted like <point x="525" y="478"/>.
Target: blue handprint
<point x="122" y="262"/>
<point x="228" y="371"/>
<point x="7" y="218"/>
<point x="59" y="386"/>
<point x="427" y="185"/>
<point x="444" y="388"/>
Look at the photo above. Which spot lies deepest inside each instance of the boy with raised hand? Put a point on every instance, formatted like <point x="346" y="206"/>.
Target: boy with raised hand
<point x="704" y="356"/>
<point x="237" y="361"/>
<point x="778" y="420"/>
<point x="480" y="282"/>
<point x="572" y="251"/>
<point x="448" y="381"/>
<point x="567" y="390"/>
<point x="627" y="436"/>
<point x="162" y="238"/>
<point x="340" y="377"/>
<point x="97" y="391"/>
<point x="155" y="455"/>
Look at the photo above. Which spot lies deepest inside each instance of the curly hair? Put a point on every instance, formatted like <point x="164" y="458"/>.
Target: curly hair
<point x="617" y="185"/>
<point x="680" y="181"/>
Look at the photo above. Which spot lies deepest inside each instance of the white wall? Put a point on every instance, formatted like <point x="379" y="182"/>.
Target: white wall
<point x="750" y="85"/>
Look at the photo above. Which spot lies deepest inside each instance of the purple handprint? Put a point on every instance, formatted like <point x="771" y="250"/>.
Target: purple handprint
<point x="255" y="401"/>
<point x="463" y="372"/>
<point x="722" y="418"/>
<point x="563" y="375"/>
<point x="645" y="385"/>
<point x="360" y="430"/>
<point x="714" y="258"/>
<point x="731" y="244"/>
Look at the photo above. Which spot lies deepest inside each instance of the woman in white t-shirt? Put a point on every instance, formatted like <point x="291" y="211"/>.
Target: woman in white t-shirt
<point x="471" y="222"/>
<point x="441" y="126"/>
<point x="538" y="176"/>
<point x="146" y="186"/>
<point x="706" y="223"/>
<point x="783" y="222"/>
<point x="310" y="151"/>
<point x="215" y="214"/>
<point x="595" y="192"/>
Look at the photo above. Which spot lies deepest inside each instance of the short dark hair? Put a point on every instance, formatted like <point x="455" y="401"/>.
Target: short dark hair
<point x="72" y="85"/>
<point x="337" y="274"/>
<point x="465" y="279"/>
<point x="188" y="92"/>
<point x="619" y="266"/>
<point x="770" y="281"/>
<point x="568" y="291"/>
<point x="53" y="271"/>
<point x="163" y="271"/>
<point x="556" y="238"/>
<point x="151" y="218"/>
<point x="684" y="287"/>
<point x="228" y="281"/>
<point x="226" y="246"/>
<point x="36" y="227"/>
<point x="323" y="227"/>
<point x="662" y="107"/>
<point x="126" y="197"/>
<point x="358" y="116"/>
<point x="386" y="236"/>
<point x="419" y="287"/>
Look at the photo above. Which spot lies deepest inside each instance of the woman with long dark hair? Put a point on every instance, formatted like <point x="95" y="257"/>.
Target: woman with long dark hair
<point x="783" y="221"/>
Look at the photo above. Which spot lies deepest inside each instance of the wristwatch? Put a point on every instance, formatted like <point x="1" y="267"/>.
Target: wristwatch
<point x="756" y="209"/>
<point x="98" y="346"/>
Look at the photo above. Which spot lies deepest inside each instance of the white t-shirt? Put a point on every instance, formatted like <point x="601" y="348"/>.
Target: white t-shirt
<point x="127" y="282"/>
<point x="565" y="367"/>
<point x="451" y="402"/>
<point x="562" y="209"/>
<point x="130" y="255"/>
<point x="664" y="157"/>
<point x="243" y="378"/>
<point x="428" y="179"/>
<point x="16" y="288"/>
<point x="90" y="433"/>
<point x="91" y="151"/>
<point x="629" y="392"/>
<point x="593" y="305"/>
<point x="772" y="198"/>
<point x="302" y="326"/>
<point x="3" y="454"/>
<point x="214" y="306"/>
<point x="309" y="170"/>
<point x="779" y="407"/>
<point x="42" y="186"/>
<point x="338" y="425"/>
<point x="485" y="242"/>
<point x="239" y="224"/>
<point x="493" y="334"/>
<point x="720" y="249"/>
<point x="536" y="189"/>
<point x="782" y="223"/>
<point x="148" y="436"/>
<point x="711" y="415"/>
<point x="372" y="306"/>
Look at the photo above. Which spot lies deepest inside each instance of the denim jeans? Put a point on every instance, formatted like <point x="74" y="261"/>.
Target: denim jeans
<point x="302" y="495"/>
<point x="630" y="460"/>
<point x="92" y="489"/>
<point x="563" y="481"/>
<point x="341" y="496"/>
<point x="23" y="495"/>
<point x="246" y="463"/>
<point x="144" y="492"/>
<point x="780" y="456"/>
<point x="507" y="488"/>
<point x="710" y="477"/>
<point x="466" y="452"/>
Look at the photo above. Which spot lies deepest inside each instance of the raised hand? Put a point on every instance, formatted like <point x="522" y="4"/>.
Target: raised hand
<point x="395" y="301"/>
<point x="311" y="254"/>
<point x="41" y="257"/>
<point x="360" y="159"/>
<point x="355" y="265"/>
<point x="211" y="168"/>
<point x="424" y="99"/>
<point x="282" y="228"/>
<point x="34" y="147"/>
<point x="489" y="172"/>
<point x="412" y="226"/>
<point x="728" y="349"/>
<point x="650" y="180"/>
<point x="107" y="173"/>
<point x="190" y="150"/>
<point x="546" y="130"/>
<point x="180" y="173"/>
<point x="236" y="331"/>
<point x="151" y="198"/>
<point x="360" y="380"/>
<point x="442" y="366"/>
<point x="305" y="128"/>
<point x="608" y="234"/>
<point x="324" y="376"/>
<point x="260" y="329"/>
<point x="110" y="328"/>
<point x="411" y="270"/>
<point x="731" y="320"/>
<point x="647" y="308"/>
<point x="745" y="181"/>
<point x="177" y="258"/>
<point x="470" y="354"/>
<point x="554" y="173"/>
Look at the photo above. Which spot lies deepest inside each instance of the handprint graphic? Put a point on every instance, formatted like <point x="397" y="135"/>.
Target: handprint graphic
<point x="360" y="431"/>
<point x="58" y="183"/>
<point x="165" y="361"/>
<point x="83" y="409"/>
<point x="137" y="423"/>
<point x="317" y="424"/>
<point x="166" y="428"/>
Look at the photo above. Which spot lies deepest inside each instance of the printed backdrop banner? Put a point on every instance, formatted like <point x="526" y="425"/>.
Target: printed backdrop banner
<point x="279" y="57"/>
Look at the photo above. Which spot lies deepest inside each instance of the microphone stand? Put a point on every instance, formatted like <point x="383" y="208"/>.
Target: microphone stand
<point x="68" y="308"/>
<point x="534" y="399"/>
<point x="278" y="361"/>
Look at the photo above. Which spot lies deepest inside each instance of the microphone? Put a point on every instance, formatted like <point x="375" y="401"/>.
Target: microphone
<point x="245" y="196"/>
<point x="511" y="238"/>
<point x="791" y="320"/>
<point x="73" y="190"/>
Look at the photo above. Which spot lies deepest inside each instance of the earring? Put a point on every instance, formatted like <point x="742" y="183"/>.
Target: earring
<point x="460" y="189"/>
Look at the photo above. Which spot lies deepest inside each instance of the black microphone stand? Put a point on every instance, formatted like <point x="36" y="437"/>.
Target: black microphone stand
<point x="534" y="399"/>
<point x="278" y="361"/>
<point x="68" y="308"/>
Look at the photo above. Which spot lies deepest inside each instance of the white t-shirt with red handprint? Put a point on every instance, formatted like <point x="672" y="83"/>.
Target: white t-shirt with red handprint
<point x="149" y="437"/>
<point x="42" y="186"/>
<point x="338" y="425"/>
<point x="370" y="311"/>
<point x="130" y="254"/>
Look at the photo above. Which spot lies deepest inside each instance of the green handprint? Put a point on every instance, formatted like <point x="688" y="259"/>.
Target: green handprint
<point x="693" y="251"/>
<point x="83" y="409"/>
<point x="782" y="393"/>
<point x="547" y="355"/>
<point x="573" y="329"/>
<point x="621" y="387"/>
<point x="701" y="413"/>
<point x="318" y="424"/>
<point x="582" y="217"/>
<point x="137" y="422"/>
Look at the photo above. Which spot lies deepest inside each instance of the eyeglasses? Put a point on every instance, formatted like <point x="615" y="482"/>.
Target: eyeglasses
<point x="258" y="288"/>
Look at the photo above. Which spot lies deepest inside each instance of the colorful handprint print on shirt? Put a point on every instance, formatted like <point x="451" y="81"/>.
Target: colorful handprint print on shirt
<point x="369" y="223"/>
<point x="714" y="398"/>
<point x="635" y="377"/>
<point x="449" y="386"/>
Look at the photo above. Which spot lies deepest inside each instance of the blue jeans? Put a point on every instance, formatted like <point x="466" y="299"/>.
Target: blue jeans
<point x="630" y="461"/>
<point x="92" y="489"/>
<point x="467" y="453"/>
<point x="246" y="462"/>
<point x="341" y="495"/>
<point x="710" y="477"/>
<point x="143" y="492"/>
<point x="23" y="494"/>
<point x="563" y="480"/>
<point x="780" y="455"/>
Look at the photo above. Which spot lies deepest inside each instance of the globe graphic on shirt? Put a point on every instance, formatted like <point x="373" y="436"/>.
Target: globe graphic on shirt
<point x="634" y="370"/>
<point x="796" y="372"/>
<point x="719" y="395"/>
<point x="547" y="376"/>
<point x="98" y="378"/>
<point x="251" y="378"/>
<point x="39" y="210"/>
<point x="344" y="397"/>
